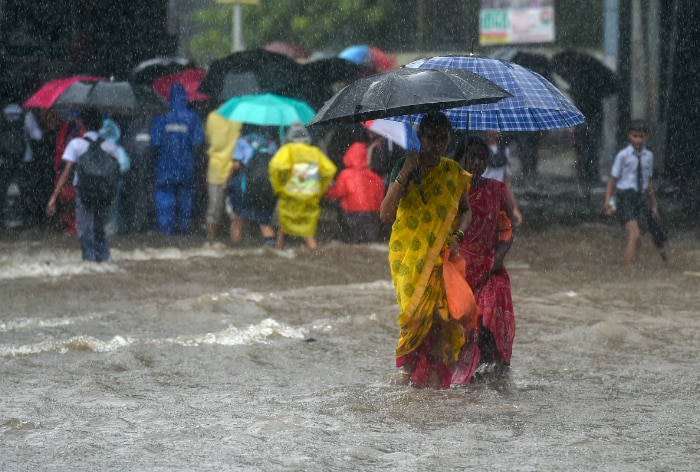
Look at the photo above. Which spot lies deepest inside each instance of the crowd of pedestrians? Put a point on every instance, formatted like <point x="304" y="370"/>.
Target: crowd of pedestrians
<point x="180" y="176"/>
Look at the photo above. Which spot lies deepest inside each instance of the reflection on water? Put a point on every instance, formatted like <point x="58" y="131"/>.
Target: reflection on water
<point x="216" y="358"/>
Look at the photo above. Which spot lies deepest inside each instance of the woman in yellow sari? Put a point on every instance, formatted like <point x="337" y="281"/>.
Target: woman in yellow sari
<point x="430" y="208"/>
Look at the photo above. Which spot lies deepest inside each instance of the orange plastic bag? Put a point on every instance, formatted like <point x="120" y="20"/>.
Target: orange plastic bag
<point x="460" y="298"/>
<point x="505" y="228"/>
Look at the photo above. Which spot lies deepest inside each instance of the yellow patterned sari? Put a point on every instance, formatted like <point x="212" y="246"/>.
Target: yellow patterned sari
<point x="419" y="234"/>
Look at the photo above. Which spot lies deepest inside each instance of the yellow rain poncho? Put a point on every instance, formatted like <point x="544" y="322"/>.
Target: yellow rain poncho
<point x="300" y="174"/>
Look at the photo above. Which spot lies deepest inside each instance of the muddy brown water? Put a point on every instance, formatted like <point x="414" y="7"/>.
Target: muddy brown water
<point x="176" y="356"/>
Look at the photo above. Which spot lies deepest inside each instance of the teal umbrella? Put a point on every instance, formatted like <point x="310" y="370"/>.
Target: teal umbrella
<point x="266" y="110"/>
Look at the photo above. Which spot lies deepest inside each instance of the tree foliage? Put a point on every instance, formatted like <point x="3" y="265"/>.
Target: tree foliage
<point x="393" y="25"/>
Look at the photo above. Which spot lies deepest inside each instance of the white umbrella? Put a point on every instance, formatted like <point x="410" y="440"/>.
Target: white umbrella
<point x="395" y="131"/>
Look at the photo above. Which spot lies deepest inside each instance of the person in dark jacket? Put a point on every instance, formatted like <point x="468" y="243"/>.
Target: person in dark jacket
<point x="139" y="182"/>
<point x="176" y="135"/>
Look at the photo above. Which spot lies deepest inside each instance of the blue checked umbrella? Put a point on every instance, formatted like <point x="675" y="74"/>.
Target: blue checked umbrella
<point x="535" y="104"/>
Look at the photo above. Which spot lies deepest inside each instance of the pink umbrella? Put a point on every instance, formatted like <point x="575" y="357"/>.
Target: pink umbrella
<point x="188" y="78"/>
<point x="50" y="91"/>
<point x="291" y="50"/>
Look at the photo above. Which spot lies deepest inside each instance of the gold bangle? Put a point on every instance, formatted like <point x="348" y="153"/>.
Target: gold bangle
<point x="459" y="234"/>
<point x="398" y="181"/>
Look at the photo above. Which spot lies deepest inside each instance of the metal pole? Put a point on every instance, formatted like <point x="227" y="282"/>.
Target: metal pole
<point x="639" y="93"/>
<point x="420" y="23"/>
<point x="610" y="105"/>
<point x="237" y="28"/>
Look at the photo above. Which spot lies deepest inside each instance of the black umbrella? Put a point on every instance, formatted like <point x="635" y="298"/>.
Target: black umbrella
<point x="586" y="74"/>
<point x="407" y="91"/>
<point x="532" y="60"/>
<point x="315" y="81"/>
<point x="144" y="73"/>
<point x="333" y="69"/>
<point x="248" y="72"/>
<point x="112" y="97"/>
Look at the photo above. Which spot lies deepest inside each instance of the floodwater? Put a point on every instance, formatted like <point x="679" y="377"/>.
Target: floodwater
<point x="176" y="356"/>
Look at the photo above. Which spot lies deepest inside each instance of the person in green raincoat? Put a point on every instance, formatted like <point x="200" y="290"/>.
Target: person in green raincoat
<point x="300" y="173"/>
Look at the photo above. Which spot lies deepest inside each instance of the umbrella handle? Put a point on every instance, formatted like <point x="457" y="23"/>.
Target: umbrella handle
<point x="415" y="177"/>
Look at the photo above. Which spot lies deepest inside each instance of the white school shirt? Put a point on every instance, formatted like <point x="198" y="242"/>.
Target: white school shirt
<point x="78" y="146"/>
<point x="498" y="173"/>
<point x="624" y="168"/>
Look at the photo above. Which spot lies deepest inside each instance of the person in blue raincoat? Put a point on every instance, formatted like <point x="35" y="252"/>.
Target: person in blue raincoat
<point x="177" y="136"/>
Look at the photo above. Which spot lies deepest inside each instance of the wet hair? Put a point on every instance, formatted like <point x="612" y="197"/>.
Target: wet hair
<point x="475" y="140"/>
<point x="461" y="152"/>
<point x="92" y="119"/>
<point x="435" y="119"/>
<point x="638" y="125"/>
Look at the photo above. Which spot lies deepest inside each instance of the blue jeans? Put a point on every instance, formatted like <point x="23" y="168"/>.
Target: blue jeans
<point x="91" y="231"/>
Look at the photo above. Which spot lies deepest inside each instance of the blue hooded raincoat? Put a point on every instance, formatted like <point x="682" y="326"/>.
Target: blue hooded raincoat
<point x="176" y="135"/>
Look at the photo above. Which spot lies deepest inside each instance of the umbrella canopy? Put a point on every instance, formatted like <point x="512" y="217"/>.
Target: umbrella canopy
<point x="188" y="78"/>
<point x="395" y="131"/>
<point x="586" y="74"/>
<point x="145" y="72"/>
<point x="403" y="91"/>
<point x="535" y="103"/>
<point x="248" y="72"/>
<point x="112" y="97"/>
<point x="368" y="56"/>
<point x="532" y="60"/>
<point x="314" y="83"/>
<point x="266" y="110"/>
<point x="291" y="50"/>
<point x="50" y="91"/>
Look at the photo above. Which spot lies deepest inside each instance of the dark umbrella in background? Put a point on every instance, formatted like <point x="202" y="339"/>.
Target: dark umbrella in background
<point x="145" y="72"/>
<point x="583" y="71"/>
<point x="317" y="81"/>
<point x="248" y="72"/>
<point x="120" y="98"/>
<point x="590" y="81"/>
<point x="534" y="61"/>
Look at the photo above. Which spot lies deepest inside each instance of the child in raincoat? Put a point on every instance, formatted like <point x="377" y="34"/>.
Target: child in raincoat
<point x="300" y="174"/>
<point x="110" y="132"/>
<point x="360" y="192"/>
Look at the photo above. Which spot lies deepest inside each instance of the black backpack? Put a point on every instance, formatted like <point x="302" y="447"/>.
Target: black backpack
<point x="257" y="189"/>
<point x="12" y="139"/>
<point x="98" y="176"/>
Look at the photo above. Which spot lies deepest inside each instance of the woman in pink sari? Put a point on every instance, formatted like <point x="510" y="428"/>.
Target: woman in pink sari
<point x="484" y="247"/>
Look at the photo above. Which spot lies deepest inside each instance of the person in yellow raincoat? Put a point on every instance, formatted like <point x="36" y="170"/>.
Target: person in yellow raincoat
<point x="300" y="173"/>
<point x="429" y="207"/>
